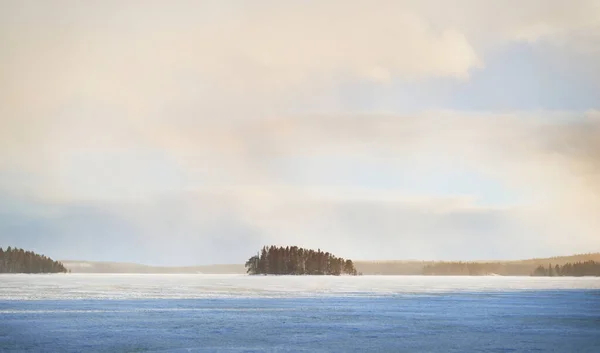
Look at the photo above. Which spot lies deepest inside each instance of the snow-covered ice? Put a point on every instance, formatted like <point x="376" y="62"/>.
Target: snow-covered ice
<point x="232" y="313"/>
<point x="186" y="286"/>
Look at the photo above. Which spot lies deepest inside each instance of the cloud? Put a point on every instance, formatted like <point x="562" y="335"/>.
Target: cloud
<point x="269" y="42"/>
<point x="136" y="53"/>
<point x="579" y="142"/>
<point x="491" y="23"/>
<point x="153" y="57"/>
<point x="94" y="157"/>
<point x="559" y="22"/>
<point x="222" y="227"/>
<point x="367" y="186"/>
<point x="235" y="116"/>
<point x="133" y="63"/>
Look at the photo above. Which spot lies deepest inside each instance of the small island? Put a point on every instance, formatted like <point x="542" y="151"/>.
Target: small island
<point x="15" y="260"/>
<point x="293" y="260"/>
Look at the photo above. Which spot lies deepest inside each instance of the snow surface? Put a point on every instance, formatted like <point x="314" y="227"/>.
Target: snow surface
<point x="232" y="313"/>
<point x="189" y="286"/>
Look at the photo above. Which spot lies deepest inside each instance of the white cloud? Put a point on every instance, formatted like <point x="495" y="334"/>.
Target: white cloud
<point x="291" y="180"/>
<point x="128" y="101"/>
<point x="266" y="47"/>
<point x="138" y="52"/>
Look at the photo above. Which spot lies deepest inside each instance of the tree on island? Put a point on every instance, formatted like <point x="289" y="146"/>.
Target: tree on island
<point x="293" y="260"/>
<point x="15" y="260"/>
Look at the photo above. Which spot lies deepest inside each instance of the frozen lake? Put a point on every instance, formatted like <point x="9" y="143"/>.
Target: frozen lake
<point x="220" y="313"/>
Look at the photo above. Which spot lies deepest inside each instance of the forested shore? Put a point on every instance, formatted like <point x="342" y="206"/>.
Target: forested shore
<point x="294" y="260"/>
<point x="15" y="260"/>
<point x="460" y="268"/>
<point x="578" y="269"/>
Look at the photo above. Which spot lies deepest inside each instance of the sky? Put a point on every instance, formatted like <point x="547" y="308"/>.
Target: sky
<point x="195" y="132"/>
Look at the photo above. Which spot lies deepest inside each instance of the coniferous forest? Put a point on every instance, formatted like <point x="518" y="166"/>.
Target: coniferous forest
<point x="515" y="268"/>
<point x="586" y="268"/>
<point x="293" y="260"/>
<point x="461" y="268"/>
<point x="15" y="260"/>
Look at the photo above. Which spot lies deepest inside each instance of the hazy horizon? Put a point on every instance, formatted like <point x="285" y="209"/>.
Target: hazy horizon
<point x="381" y="261"/>
<point x="195" y="132"/>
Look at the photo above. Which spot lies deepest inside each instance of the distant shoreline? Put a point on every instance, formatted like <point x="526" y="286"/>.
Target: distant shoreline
<point x="389" y="267"/>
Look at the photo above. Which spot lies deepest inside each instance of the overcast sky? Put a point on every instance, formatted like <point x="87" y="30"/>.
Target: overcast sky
<point x="194" y="132"/>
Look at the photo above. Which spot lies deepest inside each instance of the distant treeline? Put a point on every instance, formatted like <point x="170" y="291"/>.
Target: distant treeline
<point x="583" y="268"/>
<point x="523" y="267"/>
<point x="561" y="260"/>
<point x="15" y="260"/>
<point x="298" y="261"/>
<point x="476" y="269"/>
<point x="586" y="268"/>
